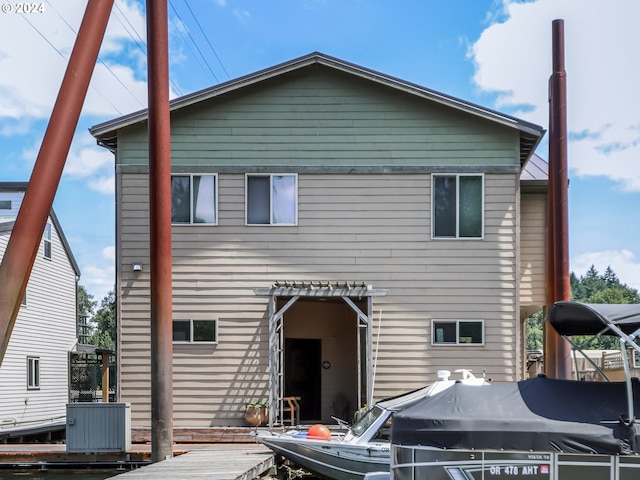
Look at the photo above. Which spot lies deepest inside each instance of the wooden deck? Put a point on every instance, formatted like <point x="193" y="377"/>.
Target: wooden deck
<point x="236" y="462"/>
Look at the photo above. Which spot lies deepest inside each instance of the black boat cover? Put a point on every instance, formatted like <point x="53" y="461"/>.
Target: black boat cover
<point x="572" y="318"/>
<point x="540" y="414"/>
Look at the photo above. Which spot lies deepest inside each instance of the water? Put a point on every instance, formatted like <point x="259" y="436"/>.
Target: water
<point x="59" y="474"/>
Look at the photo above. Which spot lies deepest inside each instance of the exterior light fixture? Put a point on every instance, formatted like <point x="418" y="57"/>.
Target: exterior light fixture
<point x="136" y="267"/>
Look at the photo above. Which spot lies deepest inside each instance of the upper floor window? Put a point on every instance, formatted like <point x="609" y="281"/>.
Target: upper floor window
<point x="33" y="373"/>
<point x="457" y="332"/>
<point x="272" y="199"/>
<point x="195" y="331"/>
<point x="47" y="241"/>
<point x="194" y="199"/>
<point x="5" y="204"/>
<point x="458" y="206"/>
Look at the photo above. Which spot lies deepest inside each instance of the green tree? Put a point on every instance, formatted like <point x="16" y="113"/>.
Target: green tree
<point x="86" y="303"/>
<point x="591" y="288"/>
<point x="535" y="337"/>
<point x="104" y="335"/>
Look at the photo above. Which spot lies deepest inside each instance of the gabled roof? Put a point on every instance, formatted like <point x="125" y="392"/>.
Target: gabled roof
<point x="530" y="134"/>
<point x="6" y="224"/>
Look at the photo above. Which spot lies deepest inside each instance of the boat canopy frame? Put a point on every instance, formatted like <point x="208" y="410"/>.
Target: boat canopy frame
<point x="596" y="319"/>
<point x="349" y="292"/>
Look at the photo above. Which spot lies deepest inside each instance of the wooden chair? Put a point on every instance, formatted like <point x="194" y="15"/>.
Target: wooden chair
<point x="293" y="408"/>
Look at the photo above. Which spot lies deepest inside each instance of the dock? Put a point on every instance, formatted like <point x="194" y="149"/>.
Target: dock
<point x="234" y="462"/>
<point x="190" y="461"/>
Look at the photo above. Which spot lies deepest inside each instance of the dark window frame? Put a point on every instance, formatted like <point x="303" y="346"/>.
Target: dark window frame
<point x="33" y="373"/>
<point x="192" y="328"/>
<point x="457" y="332"/>
<point x="47" y="243"/>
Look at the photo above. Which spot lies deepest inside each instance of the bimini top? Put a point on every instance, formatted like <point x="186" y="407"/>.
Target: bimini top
<point x="539" y="414"/>
<point x="572" y="318"/>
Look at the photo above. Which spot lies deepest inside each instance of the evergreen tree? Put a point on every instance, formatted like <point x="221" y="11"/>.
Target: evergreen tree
<point x="104" y="336"/>
<point x="86" y="303"/>
<point x="591" y="288"/>
<point x="535" y="337"/>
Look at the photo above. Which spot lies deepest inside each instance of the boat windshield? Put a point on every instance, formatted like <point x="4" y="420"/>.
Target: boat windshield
<point x="366" y="421"/>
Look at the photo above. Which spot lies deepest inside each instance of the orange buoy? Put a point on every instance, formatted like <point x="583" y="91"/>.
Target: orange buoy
<point x="319" y="432"/>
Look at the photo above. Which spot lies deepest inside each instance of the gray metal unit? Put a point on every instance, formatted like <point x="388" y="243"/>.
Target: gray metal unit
<point x="98" y="427"/>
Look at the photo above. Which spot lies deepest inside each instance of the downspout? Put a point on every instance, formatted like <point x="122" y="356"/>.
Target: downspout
<point x="24" y="241"/>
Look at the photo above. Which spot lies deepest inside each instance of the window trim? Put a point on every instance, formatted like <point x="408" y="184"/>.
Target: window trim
<point x="191" y="341"/>
<point x="191" y="223"/>
<point x="433" y="204"/>
<point x="33" y="373"/>
<point x="46" y="238"/>
<point x="246" y="199"/>
<point x="457" y="343"/>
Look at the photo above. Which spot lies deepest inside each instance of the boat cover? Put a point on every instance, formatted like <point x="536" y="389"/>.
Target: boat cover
<point x="404" y="400"/>
<point x="539" y="414"/>
<point x="573" y="318"/>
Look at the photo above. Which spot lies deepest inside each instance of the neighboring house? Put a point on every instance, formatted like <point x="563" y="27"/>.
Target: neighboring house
<point x="34" y="375"/>
<point x="338" y="234"/>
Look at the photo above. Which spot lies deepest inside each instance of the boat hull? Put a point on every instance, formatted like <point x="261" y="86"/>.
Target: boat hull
<point x="436" y="464"/>
<point x="331" y="459"/>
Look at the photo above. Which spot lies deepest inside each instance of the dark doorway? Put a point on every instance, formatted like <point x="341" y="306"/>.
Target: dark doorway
<point x="302" y="367"/>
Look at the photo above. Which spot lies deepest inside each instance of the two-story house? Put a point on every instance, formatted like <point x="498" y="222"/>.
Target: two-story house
<point x="337" y="234"/>
<point x="34" y="375"/>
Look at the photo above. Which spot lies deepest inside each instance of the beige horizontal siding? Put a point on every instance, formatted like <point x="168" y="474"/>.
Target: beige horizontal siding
<point x="216" y="269"/>
<point x="373" y="228"/>
<point x="533" y="249"/>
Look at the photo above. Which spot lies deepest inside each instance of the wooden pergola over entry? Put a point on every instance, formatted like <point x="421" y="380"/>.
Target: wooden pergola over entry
<point x="349" y="292"/>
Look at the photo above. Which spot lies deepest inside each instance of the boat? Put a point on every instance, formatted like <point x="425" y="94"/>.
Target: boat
<point x="365" y="447"/>
<point x="541" y="428"/>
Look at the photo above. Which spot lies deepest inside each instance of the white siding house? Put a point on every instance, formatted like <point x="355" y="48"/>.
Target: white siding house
<point x="34" y="375"/>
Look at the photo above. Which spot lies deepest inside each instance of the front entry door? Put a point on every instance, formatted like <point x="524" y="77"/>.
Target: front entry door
<point x="302" y="374"/>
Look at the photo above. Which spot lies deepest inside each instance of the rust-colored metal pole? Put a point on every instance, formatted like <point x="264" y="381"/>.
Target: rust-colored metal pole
<point x="560" y="186"/>
<point x="160" y="231"/>
<point x="551" y="337"/>
<point x="24" y="241"/>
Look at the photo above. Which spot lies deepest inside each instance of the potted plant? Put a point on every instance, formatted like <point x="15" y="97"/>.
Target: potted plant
<point x="257" y="412"/>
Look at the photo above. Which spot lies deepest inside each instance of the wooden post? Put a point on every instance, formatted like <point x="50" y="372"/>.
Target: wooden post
<point x="105" y="377"/>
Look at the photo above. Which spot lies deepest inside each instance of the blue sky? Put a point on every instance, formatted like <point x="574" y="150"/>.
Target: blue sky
<point x="496" y="53"/>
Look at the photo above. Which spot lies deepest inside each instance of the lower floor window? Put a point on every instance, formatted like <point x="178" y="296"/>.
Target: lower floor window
<point x="457" y="332"/>
<point x="33" y="372"/>
<point x="195" y="331"/>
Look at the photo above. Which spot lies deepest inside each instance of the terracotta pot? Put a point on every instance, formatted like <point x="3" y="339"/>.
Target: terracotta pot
<point x="255" y="415"/>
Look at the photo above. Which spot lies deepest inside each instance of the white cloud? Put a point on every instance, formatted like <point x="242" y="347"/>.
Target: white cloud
<point x="513" y="60"/>
<point x="86" y="158"/>
<point x="623" y="262"/>
<point x="85" y="161"/>
<point x="242" y="15"/>
<point x="34" y="53"/>
<point x="109" y="253"/>
<point x="98" y="279"/>
<point x="105" y="185"/>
